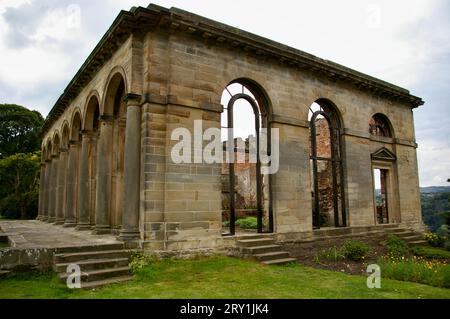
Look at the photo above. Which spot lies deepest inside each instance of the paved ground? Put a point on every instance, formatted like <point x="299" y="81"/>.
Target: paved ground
<point x="37" y="234"/>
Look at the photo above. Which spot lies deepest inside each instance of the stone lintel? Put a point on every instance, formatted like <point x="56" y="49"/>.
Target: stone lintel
<point x="174" y="100"/>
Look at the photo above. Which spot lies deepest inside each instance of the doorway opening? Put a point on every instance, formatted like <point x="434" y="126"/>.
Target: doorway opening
<point x="380" y="177"/>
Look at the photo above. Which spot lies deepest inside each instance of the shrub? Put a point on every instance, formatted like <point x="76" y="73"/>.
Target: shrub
<point x="435" y="240"/>
<point x="139" y="260"/>
<point x="247" y="223"/>
<point x="355" y="250"/>
<point x="397" y="247"/>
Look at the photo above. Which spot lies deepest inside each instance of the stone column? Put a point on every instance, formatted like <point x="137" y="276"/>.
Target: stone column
<point x="45" y="189"/>
<point x="61" y="195"/>
<point x="103" y="190"/>
<point x="71" y="195"/>
<point x="53" y="189"/>
<point x="83" y="182"/>
<point x="130" y="217"/>
<point x="41" y="191"/>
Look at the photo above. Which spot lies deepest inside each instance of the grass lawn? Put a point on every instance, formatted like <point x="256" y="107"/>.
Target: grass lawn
<point x="222" y="277"/>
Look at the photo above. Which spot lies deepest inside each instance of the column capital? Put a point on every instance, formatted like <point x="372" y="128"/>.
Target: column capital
<point x="133" y="99"/>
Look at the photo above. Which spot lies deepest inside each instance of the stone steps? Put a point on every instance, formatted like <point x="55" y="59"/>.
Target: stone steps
<point x="92" y="264"/>
<point x="264" y="249"/>
<point x="73" y="257"/>
<point x="99" y="264"/>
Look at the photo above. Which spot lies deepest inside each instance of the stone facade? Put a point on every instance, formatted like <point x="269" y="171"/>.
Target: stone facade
<point x="107" y="141"/>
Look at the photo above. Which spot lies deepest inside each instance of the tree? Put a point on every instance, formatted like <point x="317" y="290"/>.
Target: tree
<point x="19" y="185"/>
<point x="19" y="130"/>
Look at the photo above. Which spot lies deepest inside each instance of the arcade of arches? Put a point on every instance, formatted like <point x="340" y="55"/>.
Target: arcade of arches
<point x="347" y="151"/>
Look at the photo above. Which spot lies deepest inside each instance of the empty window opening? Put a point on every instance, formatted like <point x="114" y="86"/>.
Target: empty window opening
<point x="327" y="189"/>
<point x="245" y="190"/>
<point x="379" y="126"/>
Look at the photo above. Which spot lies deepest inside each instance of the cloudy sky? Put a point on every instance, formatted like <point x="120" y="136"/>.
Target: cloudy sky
<point x="44" y="42"/>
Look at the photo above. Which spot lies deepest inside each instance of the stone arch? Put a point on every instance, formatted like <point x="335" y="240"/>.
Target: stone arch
<point x="113" y="111"/>
<point x="75" y="126"/>
<point x="92" y="112"/>
<point x="256" y="82"/>
<point x="331" y="106"/>
<point x="260" y="94"/>
<point x="56" y="141"/>
<point x="116" y="79"/>
<point x="380" y="125"/>
<point x="325" y="98"/>
<point x="48" y="149"/>
<point x="65" y="135"/>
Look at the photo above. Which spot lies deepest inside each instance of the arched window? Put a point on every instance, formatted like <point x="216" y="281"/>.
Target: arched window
<point x="379" y="126"/>
<point x="245" y="190"/>
<point x="327" y="192"/>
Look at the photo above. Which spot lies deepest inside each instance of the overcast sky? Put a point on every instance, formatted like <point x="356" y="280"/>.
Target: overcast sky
<point x="44" y="42"/>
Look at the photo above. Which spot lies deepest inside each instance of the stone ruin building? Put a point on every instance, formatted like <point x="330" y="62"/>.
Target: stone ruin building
<point x="107" y="166"/>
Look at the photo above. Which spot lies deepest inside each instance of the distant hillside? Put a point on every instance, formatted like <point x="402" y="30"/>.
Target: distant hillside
<point x="435" y="201"/>
<point x="435" y="189"/>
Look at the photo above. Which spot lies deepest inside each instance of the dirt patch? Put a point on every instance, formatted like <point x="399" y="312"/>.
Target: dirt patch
<point x="342" y="264"/>
<point x="314" y="254"/>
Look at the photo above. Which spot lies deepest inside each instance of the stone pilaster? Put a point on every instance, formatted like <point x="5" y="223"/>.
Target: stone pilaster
<point x="103" y="191"/>
<point x="61" y="194"/>
<point x="41" y="191"/>
<point x="45" y="190"/>
<point x="53" y="189"/>
<point x="83" y="182"/>
<point x="130" y="217"/>
<point x="71" y="195"/>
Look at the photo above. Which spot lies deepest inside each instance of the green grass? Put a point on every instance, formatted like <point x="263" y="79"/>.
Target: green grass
<point x="222" y="277"/>
<point x="431" y="252"/>
<point x="3" y="245"/>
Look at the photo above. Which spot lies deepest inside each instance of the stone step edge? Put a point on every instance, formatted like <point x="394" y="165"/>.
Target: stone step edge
<point x="83" y="254"/>
<point x="279" y="261"/>
<point x="105" y="282"/>
<point x="91" y="262"/>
